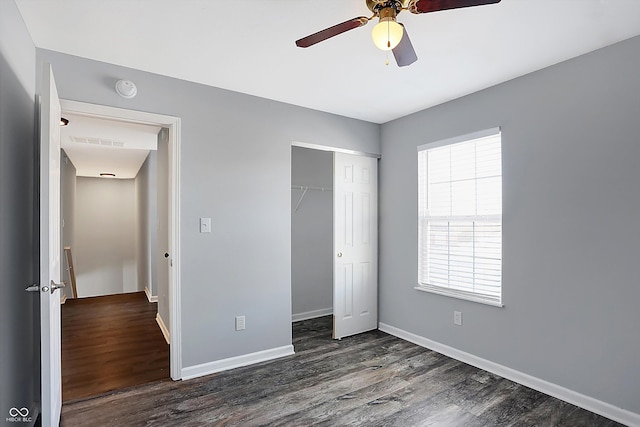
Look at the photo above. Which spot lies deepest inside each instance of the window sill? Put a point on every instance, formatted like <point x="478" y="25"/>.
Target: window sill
<point x="458" y="296"/>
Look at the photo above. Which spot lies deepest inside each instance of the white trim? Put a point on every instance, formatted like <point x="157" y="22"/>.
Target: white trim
<point x="63" y="298"/>
<point x="589" y="403"/>
<point x="103" y="111"/>
<point x="175" y="304"/>
<point x="150" y="298"/>
<point x="236" y="362"/>
<point x="461" y="138"/>
<point x="163" y="328"/>
<point x="438" y="290"/>
<point x="174" y="125"/>
<point x="334" y="149"/>
<point x="311" y="314"/>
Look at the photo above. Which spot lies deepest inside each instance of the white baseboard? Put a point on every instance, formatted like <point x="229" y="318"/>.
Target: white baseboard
<point x="150" y="297"/>
<point x="311" y="314"/>
<point x="236" y="362"/>
<point x="163" y="328"/>
<point x="589" y="403"/>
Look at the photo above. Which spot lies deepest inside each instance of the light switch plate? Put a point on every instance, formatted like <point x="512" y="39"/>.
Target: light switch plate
<point x="240" y="323"/>
<point x="205" y="225"/>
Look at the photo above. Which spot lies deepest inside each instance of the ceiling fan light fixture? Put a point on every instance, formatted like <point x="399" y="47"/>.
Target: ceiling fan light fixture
<point x="387" y="33"/>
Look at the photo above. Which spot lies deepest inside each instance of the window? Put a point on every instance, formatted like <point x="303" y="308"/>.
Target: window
<point x="460" y="217"/>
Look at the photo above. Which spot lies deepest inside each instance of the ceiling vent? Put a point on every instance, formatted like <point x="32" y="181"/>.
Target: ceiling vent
<point x="97" y="141"/>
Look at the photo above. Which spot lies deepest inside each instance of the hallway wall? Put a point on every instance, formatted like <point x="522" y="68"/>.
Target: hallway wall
<point x="146" y="220"/>
<point x="105" y="260"/>
<point x="67" y="215"/>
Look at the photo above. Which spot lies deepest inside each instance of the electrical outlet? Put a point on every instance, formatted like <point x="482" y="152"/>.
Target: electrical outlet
<point x="457" y="318"/>
<point x="240" y="324"/>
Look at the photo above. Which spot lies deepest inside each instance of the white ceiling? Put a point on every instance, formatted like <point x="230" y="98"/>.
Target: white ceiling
<point x="248" y="46"/>
<point x="97" y="145"/>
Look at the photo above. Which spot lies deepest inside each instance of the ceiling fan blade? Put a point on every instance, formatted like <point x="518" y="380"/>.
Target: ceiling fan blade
<point x="404" y="52"/>
<point x="426" y="6"/>
<point x="332" y="31"/>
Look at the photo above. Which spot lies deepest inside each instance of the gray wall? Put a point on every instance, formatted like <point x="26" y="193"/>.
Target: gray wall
<point x="571" y="239"/>
<point x="19" y="310"/>
<point x="162" y="228"/>
<point x="146" y="214"/>
<point x="105" y="259"/>
<point x="67" y="214"/>
<point x="236" y="169"/>
<point x="311" y="231"/>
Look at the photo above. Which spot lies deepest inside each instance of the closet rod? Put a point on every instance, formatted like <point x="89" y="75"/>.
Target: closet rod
<point x="304" y="189"/>
<point x="308" y="187"/>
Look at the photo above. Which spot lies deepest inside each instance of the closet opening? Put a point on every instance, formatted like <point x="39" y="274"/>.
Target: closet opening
<point x="311" y="233"/>
<point x="334" y="240"/>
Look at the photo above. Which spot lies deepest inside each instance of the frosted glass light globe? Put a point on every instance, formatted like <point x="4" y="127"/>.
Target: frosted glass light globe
<point x="387" y="34"/>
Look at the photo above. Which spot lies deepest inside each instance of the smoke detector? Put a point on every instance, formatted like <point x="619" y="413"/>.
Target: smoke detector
<point x="126" y="89"/>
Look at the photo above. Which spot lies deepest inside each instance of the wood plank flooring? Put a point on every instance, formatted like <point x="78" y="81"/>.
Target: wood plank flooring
<point x="109" y="343"/>
<point x="371" y="379"/>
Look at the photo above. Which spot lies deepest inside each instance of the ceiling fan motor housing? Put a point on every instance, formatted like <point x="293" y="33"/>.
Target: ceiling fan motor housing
<point x="378" y="6"/>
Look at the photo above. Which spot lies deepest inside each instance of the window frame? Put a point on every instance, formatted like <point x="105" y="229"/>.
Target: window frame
<point x="422" y="193"/>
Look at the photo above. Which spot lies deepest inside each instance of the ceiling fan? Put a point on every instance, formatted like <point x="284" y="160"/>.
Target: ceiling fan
<point x="388" y="34"/>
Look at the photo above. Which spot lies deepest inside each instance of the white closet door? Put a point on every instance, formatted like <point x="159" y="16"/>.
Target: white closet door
<point x="355" y="241"/>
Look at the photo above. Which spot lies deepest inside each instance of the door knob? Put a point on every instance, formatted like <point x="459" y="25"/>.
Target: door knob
<point x="32" y="288"/>
<point x="339" y="254"/>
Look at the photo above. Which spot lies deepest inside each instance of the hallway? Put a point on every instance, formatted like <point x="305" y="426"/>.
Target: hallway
<point x="109" y="343"/>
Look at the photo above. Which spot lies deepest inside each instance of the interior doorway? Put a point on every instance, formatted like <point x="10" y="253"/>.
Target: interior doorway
<point x="165" y="249"/>
<point x="114" y="207"/>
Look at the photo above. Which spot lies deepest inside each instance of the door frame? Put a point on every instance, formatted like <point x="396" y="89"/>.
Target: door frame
<point x="174" y="126"/>
<point x="332" y="149"/>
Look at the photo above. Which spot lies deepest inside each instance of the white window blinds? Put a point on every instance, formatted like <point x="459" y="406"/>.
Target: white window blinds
<point x="460" y="217"/>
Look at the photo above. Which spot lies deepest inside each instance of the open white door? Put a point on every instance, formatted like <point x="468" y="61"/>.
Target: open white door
<point x="50" y="251"/>
<point x="355" y="244"/>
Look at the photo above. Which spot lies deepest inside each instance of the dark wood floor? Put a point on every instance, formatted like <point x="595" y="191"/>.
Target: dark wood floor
<point x="109" y="343"/>
<point x="371" y="379"/>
